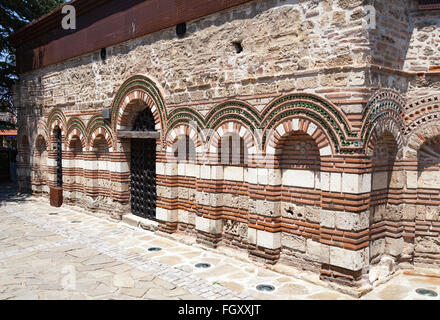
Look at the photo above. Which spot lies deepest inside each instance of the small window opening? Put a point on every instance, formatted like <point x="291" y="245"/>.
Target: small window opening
<point x="238" y="46"/>
<point x="181" y="29"/>
<point x="103" y="54"/>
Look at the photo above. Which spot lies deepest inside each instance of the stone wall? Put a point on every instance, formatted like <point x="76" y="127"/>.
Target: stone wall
<point x="313" y="99"/>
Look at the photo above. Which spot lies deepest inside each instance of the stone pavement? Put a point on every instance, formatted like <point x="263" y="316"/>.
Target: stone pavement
<point x="65" y="253"/>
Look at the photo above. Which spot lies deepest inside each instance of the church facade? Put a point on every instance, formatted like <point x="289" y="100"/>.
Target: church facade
<point x="304" y="133"/>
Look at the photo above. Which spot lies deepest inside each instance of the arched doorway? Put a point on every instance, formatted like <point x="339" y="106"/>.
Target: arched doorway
<point x="143" y="168"/>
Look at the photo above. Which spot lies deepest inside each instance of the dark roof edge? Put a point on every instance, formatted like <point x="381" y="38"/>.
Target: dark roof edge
<point x="51" y="20"/>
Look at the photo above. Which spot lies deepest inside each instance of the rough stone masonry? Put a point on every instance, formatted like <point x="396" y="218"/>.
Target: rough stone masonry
<point x="303" y="132"/>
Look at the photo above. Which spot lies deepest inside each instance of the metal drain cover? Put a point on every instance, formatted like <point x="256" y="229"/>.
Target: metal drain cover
<point x="154" y="249"/>
<point x="53" y="214"/>
<point x="426" y="292"/>
<point x="76" y="221"/>
<point x="202" y="265"/>
<point x="265" y="287"/>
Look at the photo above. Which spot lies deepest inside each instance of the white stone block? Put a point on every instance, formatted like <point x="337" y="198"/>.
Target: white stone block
<point x="217" y="172"/>
<point x="299" y="178"/>
<point x="335" y="182"/>
<point x="268" y="239"/>
<point x="280" y="130"/>
<point x="262" y="176"/>
<point x="233" y="173"/>
<point x="181" y="169"/>
<point x="171" y="169"/>
<point x="349" y="259"/>
<point x="166" y="215"/>
<point x="205" y="172"/>
<point x="102" y="165"/>
<point x="274" y="177"/>
<point x="183" y="216"/>
<point x="51" y="162"/>
<point x="192" y="170"/>
<point x="252" y="175"/>
<point x="411" y="179"/>
<point x="209" y="225"/>
<point x="295" y="124"/>
<point x="324" y="181"/>
<point x="311" y="129"/>
<point x="252" y="236"/>
<point x="429" y="180"/>
<point x="356" y="183"/>
<point x="325" y="151"/>
<point x="317" y="251"/>
<point x="120" y="167"/>
<point x="328" y="218"/>
<point x="160" y="168"/>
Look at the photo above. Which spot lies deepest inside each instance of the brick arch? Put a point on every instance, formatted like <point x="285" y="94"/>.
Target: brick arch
<point x="299" y="124"/>
<point x="416" y="139"/>
<point x="381" y="127"/>
<point x="135" y="92"/>
<point x="75" y="127"/>
<point x="327" y="116"/>
<point x="97" y="126"/>
<point x="233" y="127"/>
<point x="101" y="131"/>
<point x="184" y="129"/>
<point x="420" y="112"/>
<point x="42" y="130"/>
<point x="385" y="108"/>
<point x="56" y="118"/>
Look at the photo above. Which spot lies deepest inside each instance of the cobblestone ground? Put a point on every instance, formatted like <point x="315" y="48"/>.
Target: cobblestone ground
<point x="63" y="253"/>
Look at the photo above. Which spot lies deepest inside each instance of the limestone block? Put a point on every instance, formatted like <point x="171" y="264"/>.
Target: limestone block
<point x="349" y="259"/>
<point x="252" y="175"/>
<point x="209" y="225"/>
<point x="380" y="180"/>
<point x="265" y="208"/>
<point x="377" y="247"/>
<point x="51" y="162"/>
<point x="274" y="177"/>
<point x="183" y="216"/>
<point x="411" y="179"/>
<point x="217" y="173"/>
<point x="192" y="170"/>
<point x="216" y="199"/>
<point x="429" y="180"/>
<point x="205" y="172"/>
<point x="427" y="245"/>
<point x="335" y="182"/>
<point x="268" y="239"/>
<point x="160" y="168"/>
<point x="325" y="151"/>
<point x="252" y="236"/>
<point x="233" y="173"/>
<point x="324" y="181"/>
<point x="408" y="211"/>
<point x="181" y="169"/>
<point x="299" y="178"/>
<point x="318" y="252"/>
<point x="394" y="246"/>
<point x="171" y="169"/>
<point x="262" y="176"/>
<point x="328" y="218"/>
<point x="382" y="270"/>
<point x="293" y="242"/>
<point x="356" y="183"/>
<point x="352" y="221"/>
<point x="397" y="179"/>
<point x="166" y="215"/>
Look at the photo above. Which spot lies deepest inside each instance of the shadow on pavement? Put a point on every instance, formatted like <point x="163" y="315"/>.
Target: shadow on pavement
<point x="9" y="193"/>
